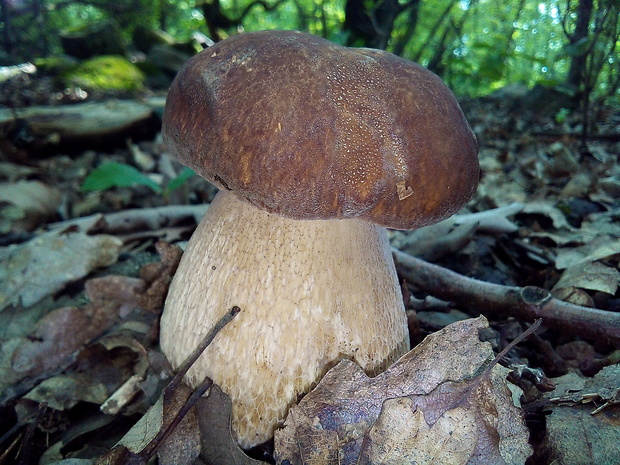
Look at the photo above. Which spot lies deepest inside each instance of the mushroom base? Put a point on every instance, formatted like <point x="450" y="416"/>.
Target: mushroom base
<point x="311" y="293"/>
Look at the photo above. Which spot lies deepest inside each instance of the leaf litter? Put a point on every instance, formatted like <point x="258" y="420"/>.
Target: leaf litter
<point x="546" y="214"/>
<point x="434" y="405"/>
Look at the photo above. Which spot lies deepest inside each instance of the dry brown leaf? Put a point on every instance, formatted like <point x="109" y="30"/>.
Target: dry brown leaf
<point x="182" y="447"/>
<point x="593" y="276"/>
<point x="124" y="290"/>
<point x="63" y="392"/>
<point x="603" y="390"/>
<point x="145" y="430"/>
<point x="58" y="335"/>
<point x="574" y="437"/>
<point x="438" y="396"/>
<point x="159" y="275"/>
<point x="583" y="419"/>
<point x="560" y="161"/>
<point x="598" y="248"/>
<point x="26" y="204"/>
<point x="219" y="445"/>
<point x="401" y="435"/>
<point x="574" y="296"/>
<point x="47" y="263"/>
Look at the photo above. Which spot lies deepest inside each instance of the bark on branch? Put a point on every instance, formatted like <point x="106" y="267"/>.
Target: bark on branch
<point x="525" y="303"/>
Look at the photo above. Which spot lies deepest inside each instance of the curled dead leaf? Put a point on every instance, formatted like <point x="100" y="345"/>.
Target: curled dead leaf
<point x="435" y="394"/>
<point x="26" y="204"/>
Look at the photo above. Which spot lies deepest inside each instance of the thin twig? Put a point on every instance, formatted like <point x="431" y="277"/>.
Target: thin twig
<point x="163" y="434"/>
<point x="189" y="361"/>
<point x="150" y="449"/>
<point x="121" y="454"/>
<point x="25" y="452"/>
<point x="525" y="303"/>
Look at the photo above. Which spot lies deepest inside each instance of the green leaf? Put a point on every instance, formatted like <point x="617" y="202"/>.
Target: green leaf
<point x="115" y="174"/>
<point x="181" y="179"/>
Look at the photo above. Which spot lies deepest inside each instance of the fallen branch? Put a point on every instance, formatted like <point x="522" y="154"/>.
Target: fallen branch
<point x="138" y="219"/>
<point x="525" y="303"/>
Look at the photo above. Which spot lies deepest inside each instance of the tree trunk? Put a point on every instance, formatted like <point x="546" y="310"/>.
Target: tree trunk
<point x="7" y="37"/>
<point x="370" y="24"/>
<point x="414" y="10"/>
<point x="580" y="35"/>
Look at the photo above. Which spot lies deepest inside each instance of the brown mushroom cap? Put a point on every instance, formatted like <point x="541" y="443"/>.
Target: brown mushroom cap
<point x="307" y="129"/>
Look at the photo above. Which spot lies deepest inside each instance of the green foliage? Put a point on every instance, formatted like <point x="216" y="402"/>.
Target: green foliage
<point x="180" y="180"/>
<point x="476" y="46"/>
<point x="55" y="65"/>
<point x="114" y="174"/>
<point x="105" y="73"/>
<point x="561" y="115"/>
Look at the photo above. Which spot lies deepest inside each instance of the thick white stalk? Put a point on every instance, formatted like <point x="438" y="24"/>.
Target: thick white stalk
<point x="311" y="293"/>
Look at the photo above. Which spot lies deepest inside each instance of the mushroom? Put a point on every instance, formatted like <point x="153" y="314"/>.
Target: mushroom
<point x="316" y="149"/>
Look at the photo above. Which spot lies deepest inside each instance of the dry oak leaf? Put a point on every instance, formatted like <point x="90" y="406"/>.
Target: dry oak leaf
<point x="437" y="404"/>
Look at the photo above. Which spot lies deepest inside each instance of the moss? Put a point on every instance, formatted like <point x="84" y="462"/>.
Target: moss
<point x="106" y="72"/>
<point x="55" y="65"/>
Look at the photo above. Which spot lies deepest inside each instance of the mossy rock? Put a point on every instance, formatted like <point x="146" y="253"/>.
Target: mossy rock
<point x="106" y="73"/>
<point x="55" y="65"/>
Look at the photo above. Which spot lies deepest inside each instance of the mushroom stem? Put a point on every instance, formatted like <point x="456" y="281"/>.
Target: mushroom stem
<point x="311" y="293"/>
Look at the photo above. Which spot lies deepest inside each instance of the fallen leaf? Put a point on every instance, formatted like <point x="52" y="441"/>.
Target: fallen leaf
<point x="560" y="161"/>
<point x="592" y="276"/>
<point x="26" y="204"/>
<point x="574" y="436"/>
<point x="601" y="391"/>
<point x="219" y="445"/>
<point x="182" y="447"/>
<point x="159" y="275"/>
<point x="124" y="290"/>
<point x="599" y="248"/>
<point x="47" y="263"/>
<point x="57" y="336"/>
<point x="78" y="437"/>
<point x="63" y="392"/>
<point x="401" y="435"/>
<point x="433" y="395"/>
<point x="574" y="296"/>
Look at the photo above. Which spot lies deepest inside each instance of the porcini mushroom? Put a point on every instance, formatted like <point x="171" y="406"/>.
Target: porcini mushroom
<point x="316" y="149"/>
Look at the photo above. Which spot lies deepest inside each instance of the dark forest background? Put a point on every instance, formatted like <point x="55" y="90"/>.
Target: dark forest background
<point x="476" y="46"/>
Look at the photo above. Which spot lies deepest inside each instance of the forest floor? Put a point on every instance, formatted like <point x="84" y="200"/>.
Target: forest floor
<point x="85" y="272"/>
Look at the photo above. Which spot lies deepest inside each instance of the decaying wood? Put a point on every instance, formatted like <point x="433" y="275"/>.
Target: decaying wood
<point x="83" y="125"/>
<point x="133" y="220"/>
<point x="525" y="303"/>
